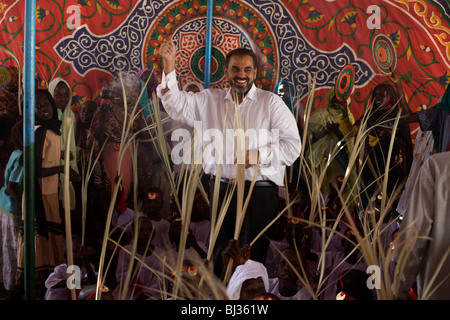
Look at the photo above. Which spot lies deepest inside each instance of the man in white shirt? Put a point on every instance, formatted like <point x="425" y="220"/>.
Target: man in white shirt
<point x="219" y="117"/>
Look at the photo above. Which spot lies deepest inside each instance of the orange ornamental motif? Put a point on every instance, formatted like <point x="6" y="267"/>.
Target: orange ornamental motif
<point x="294" y="40"/>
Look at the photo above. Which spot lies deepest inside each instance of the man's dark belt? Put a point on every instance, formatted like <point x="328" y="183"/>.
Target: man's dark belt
<point x="258" y="183"/>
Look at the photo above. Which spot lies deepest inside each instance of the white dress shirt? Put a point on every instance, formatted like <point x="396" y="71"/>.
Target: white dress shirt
<point x="266" y="121"/>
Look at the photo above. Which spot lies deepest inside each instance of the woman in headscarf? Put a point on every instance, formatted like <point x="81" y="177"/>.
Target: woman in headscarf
<point x="327" y="128"/>
<point x="380" y="119"/>
<point x="62" y="94"/>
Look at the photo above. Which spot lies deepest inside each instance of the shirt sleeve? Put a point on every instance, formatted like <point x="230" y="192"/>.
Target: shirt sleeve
<point x="168" y="81"/>
<point x="285" y="148"/>
<point x="178" y="104"/>
<point x="16" y="173"/>
<point x="416" y="226"/>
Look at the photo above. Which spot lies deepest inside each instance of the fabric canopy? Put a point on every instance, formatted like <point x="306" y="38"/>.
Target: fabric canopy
<point x="87" y="42"/>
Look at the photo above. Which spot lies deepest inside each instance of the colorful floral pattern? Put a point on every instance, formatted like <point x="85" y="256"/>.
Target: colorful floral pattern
<point x="87" y="42"/>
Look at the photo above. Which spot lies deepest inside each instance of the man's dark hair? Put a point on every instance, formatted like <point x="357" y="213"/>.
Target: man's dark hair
<point x="241" y="52"/>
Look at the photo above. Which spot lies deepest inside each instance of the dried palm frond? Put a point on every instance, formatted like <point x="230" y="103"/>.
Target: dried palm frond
<point x="127" y="140"/>
<point x="369" y="241"/>
<point x="67" y="215"/>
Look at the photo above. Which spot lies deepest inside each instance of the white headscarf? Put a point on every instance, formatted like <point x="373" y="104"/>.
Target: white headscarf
<point x="66" y="113"/>
<point x="249" y="270"/>
<point x="52" y="86"/>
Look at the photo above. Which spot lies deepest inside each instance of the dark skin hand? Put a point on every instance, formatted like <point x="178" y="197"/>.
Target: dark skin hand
<point x="46" y="172"/>
<point x="11" y="189"/>
<point x="333" y="127"/>
<point x="330" y="127"/>
<point x="406" y="111"/>
<point x="191" y="241"/>
<point x="235" y="253"/>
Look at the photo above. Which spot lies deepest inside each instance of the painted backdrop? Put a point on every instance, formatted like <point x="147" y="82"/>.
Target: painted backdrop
<point x="87" y="42"/>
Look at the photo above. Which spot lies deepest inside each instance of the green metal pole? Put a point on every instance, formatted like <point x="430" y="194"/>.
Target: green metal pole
<point x="29" y="149"/>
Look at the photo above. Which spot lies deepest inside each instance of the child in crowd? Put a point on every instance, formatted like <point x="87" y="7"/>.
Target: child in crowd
<point x="193" y="250"/>
<point x="287" y="284"/>
<point x="190" y="286"/>
<point x="248" y="281"/>
<point x="152" y="207"/>
<point x="147" y="280"/>
<point x="152" y="204"/>
<point x="200" y="224"/>
<point x="62" y="94"/>
<point x="351" y="259"/>
<point x="352" y="285"/>
<point x="57" y="284"/>
<point x="11" y="213"/>
<point x="85" y="116"/>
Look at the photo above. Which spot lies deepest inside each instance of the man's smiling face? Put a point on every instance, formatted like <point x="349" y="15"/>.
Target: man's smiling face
<point x="241" y="73"/>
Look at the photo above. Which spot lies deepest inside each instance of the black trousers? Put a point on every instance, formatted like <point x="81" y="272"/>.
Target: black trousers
<point x="261" y="210"/>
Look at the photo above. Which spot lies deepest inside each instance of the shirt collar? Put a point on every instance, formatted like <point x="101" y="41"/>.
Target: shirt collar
<point x="251" y="94"/>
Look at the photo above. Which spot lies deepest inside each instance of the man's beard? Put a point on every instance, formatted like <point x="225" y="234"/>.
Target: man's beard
<point x="241" y="90"/>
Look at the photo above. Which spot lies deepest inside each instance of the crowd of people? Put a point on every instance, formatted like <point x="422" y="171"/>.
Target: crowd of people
<point x="293" y="239"/>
